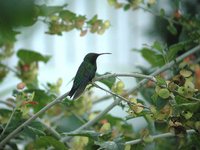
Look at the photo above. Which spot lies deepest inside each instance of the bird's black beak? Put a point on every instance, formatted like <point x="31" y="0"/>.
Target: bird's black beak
<point x="103" y="53"/>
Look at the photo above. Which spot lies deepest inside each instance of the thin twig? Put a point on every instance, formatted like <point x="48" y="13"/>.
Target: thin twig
<point x="141" y="83"/>
<point x="134" y="75"/>
<point x="164" y="135"/>
<point x="11" y="116"/>
<point x="113" y="104"/>
<point x="49" y="129"/>
<point x="122" y="98"/>
<point x="159" y="15"/>
<point x="190" y="98"/>
<point x="14" y="132"/>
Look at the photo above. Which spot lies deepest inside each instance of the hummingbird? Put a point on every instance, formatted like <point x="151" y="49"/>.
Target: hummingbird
<point x="84" y="75"/>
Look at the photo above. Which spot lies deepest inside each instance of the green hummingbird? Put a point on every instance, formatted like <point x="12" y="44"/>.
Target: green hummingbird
<point x="84" y="75"/>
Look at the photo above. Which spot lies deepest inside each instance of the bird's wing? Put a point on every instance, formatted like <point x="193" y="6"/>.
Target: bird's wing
<point x="84" y="74"/>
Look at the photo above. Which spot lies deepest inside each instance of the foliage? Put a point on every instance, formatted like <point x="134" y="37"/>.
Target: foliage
<point x="170" y="103"/>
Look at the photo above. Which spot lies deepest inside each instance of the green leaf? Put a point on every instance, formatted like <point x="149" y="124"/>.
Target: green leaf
<point x="164" y="93"/>
<point x="45" y="10"/>
<point x="160" y="81"/>
<point x="185" y="73"/>
<point x="154" y="97"/>
<point x="93" y="20"/>
<point x="158" y="46"/>
<point x="67" y="15"/>
<point x="47" y="141"/>
<point x="28" y="56"/>
<point x="162" y="12"/>
<point x="88" y="133"/>
<point x="112" y="2"/>
<point x="112" y="119"/>
<point x="171" y="28"/>
<point x="40" y="96"/>
<point x="109" y="82"/>
<point x="127" y="7"/>
<point x="32" y="132"/>
<point x="155" y="59"/>
<point x="175" y="48"/>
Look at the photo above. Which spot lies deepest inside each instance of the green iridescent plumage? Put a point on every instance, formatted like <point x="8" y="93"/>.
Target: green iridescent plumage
<point x="84" y="75"/>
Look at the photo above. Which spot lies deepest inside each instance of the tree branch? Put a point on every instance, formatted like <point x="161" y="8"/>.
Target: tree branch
<point x="164" y="135"/>
<point x="134" y="75"/>
<point x="122" y="98"/>
<point x="49" y="129"/>
<point x="141" y="83"/>
<point x="116" y="102"/>
<point x="14" y="132"/>
<point x="11" y="116"/>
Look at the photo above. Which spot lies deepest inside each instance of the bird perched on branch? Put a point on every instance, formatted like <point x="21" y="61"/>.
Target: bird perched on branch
<point x="84" y="75"/>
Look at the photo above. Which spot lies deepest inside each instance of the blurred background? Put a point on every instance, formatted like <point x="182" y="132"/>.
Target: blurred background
<point x="128" y="30"/>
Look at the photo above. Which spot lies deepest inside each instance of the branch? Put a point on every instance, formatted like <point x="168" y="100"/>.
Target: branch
<point x="116" y="102"/>
<point x="93" y="121"/>
<point x="14" y="132"/>
<point x="141" y="83"/>
<point x="158" y="15"/>
<point x="11" y="116"/>
<point x="122" y="98"/>
<point x="134" y="75"/>
<point x="49" y="129"/>
<point x="164" y="135"/>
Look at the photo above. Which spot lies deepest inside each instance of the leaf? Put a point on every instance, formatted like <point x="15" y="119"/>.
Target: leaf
<point x="162" y="12"/>
<point x="155" y="59"/>
<point x="47" y="141"/>
<point x="41" y="97"/>
<point x="109" y="82"/>
<point x="158" y="46"/>
<point x="69" y="123"/>
<point x="15" y="121"/>
<point x="29" y="56"/>
<point x="93" y="20"/>
<point x="160" y="81"/>
<point x="175" y="48"/>
<point x="185" y="73"/>
<point x="45" y="10"/>
<point x="88" y="133"/>
<point x="171" y="28"/>
<point x="164" y="93"/>
<point x="112" y="119"/>
<point x="127" y="7"/>
<point x="112" y="2"/>
<point x="67" y="15"/>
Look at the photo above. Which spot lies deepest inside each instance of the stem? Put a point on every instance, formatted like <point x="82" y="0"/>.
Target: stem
<point x="116" y="102"/>
<point x="11" y="116"/>
<point x="190" y="98"/>
<point x="93" y="121"/>
<point x="141" y="83"/>
<point x="14" y="132"/>
<point x="158" y="15"/>
<point x="122" y="98"/>
<point x="50" y="129"/>
<point x="164" y="135"/>
<point x="136" y="75"/>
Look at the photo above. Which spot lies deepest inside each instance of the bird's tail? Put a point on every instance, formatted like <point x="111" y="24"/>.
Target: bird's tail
<point x="76" y="93"/>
